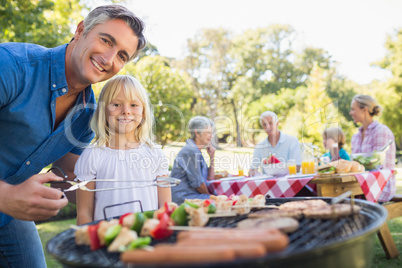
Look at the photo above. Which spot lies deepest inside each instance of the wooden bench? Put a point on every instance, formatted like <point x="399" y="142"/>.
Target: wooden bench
<point x="394" y="208"/>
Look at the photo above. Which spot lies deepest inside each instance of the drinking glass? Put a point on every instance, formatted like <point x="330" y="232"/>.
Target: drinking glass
<point x="292" y="166"/>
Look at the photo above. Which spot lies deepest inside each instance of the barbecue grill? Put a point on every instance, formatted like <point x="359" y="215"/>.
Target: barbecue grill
<point x="345" y="242"/>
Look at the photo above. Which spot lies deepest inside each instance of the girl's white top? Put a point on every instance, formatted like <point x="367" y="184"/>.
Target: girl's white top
<point x="139" y="164"/>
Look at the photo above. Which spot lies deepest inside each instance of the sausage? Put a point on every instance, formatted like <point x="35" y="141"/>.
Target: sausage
<point x="178" y="255"/>
<point x="242" y="250"/>
<point x="272" y="239"/>
<point x="227" y="232"/>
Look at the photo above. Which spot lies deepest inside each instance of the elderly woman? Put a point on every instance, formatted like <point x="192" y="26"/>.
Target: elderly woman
<point x="372" y="136"/>
<point x="190" y="166"/>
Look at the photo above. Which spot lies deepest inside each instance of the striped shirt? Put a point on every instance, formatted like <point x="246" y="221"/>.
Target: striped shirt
<point x="375" y="137"/>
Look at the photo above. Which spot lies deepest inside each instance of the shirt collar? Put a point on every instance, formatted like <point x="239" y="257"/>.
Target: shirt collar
<point x="281" y="139"/>
<point x="370" y="127"/>
<point x="191" y="143"/>
<point x="58" y="70"/>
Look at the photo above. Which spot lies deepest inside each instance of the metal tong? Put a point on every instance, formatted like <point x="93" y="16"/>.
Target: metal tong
<point x="160" y="182"/>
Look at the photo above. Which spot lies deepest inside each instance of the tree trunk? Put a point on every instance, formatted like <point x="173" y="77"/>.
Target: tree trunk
<point x="238" y="131"/>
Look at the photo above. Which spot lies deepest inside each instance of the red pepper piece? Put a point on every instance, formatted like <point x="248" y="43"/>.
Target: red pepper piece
<point x="123" y="216"/>
<point x="93" y="237"/>
<point x="206" y="203"/>
<point x="162" y="229"/>
<point x="166" y="210"/>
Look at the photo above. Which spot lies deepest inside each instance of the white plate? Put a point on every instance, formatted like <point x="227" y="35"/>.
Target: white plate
<point x="232" y="178"/>
<point x="300" y="175"/>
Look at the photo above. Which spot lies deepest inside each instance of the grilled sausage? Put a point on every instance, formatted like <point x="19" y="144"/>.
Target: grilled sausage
<point x="242" y="250"/>
<point x="178" y="255"/>
<point x="272" y="239"/>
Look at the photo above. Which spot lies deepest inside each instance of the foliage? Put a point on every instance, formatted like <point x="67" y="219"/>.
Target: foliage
<point x="169" y="94"/>
<point x="391" y="94"/>
<point x="46" y="22"/>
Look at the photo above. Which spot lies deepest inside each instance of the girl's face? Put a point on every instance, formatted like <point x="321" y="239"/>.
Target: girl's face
<point x="203" y="136"/>
<point x="328" y="142"/>
<point x="358" y="114"/>
<point x="124" y="115"/>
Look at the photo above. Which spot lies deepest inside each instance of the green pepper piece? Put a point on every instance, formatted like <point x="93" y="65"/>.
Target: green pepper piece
<point x="111" y="233"/>
<point x="149" y="214"/>
<point x="139" y="219"/>
<point x="179" y="216"/>
<point x="211" y="208"/>
<point x="139" y="242"/>
<point x="191" y="204"/>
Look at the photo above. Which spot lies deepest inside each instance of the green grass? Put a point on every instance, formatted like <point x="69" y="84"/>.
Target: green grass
<point x="49" y="230"/>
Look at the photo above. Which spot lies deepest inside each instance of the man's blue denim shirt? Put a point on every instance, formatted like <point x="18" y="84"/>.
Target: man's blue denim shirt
<point x="31" y="78"/>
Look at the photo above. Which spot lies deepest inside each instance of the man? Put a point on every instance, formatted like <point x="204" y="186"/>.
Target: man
<point x="46" y="102"/>
<point x="278" y="144"/>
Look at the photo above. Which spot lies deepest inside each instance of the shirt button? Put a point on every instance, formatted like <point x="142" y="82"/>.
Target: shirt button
<point x="64" y="90"/>
<point x="54" y="85"/>
<point x="28" y="163"/>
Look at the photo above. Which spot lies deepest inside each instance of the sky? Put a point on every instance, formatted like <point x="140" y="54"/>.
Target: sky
<point x="352" y="31"/>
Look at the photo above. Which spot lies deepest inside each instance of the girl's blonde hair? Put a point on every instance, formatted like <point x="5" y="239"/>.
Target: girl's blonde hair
<point x="369" y="102"/>
<point x="336" y="134"/>
<point x="132" y="90"/>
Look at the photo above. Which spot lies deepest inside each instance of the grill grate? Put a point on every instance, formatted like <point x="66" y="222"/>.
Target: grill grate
<point x="311" y="235"/>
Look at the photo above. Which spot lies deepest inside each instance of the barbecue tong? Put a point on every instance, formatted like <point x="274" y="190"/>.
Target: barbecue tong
<point x="160" y="182"/>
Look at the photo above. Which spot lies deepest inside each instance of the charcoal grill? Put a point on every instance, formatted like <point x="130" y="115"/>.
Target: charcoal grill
<point x="345" y="242"/>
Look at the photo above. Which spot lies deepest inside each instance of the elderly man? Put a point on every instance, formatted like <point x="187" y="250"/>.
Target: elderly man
<point x="46" y="102"/>
<point x="278" y="144"/>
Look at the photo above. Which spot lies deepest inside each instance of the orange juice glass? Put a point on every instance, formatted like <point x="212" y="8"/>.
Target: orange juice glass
<point x="308" y="167"/>
<point x="241" y="172"/>
<point x="292" y="166"/>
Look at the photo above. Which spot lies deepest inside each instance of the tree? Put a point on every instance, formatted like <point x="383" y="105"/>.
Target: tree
<point x="391" y="95"/>
<point x="45" y="22"/>
<point x="170" y="95"/>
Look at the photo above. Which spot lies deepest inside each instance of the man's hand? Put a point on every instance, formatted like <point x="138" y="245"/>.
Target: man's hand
<point x="31" y="200"/>
<point x="253" y="173"/>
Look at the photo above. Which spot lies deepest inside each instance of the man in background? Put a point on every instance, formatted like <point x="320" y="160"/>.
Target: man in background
<point x="278" y="144"/>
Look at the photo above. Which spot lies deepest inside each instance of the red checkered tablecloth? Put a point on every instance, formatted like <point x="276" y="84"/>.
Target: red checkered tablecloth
<point x="274" y="187"/>
<point x="373" y="183"/>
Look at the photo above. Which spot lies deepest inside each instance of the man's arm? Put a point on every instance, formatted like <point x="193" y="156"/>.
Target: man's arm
<point x="31" y="200"/>
<point x="67" y="164"/>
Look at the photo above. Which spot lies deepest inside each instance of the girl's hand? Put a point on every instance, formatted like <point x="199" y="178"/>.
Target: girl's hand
<point x="211" y="151"/>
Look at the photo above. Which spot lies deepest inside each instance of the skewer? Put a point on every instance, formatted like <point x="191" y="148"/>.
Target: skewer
<point x="227" y="214"/>
<point x="256" y="206"/>
<point x="193" y="228"/>
<point x="75" y="227"/>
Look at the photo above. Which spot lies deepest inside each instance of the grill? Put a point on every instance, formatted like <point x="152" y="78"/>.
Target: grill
<point x="345" y="242"/>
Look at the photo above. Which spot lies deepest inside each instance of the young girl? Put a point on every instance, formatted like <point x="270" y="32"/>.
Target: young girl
<point x="334" y="139"/>
<point x="121" y="150"/>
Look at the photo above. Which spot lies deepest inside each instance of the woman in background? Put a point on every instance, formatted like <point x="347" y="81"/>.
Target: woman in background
<point x="190" y="166"/>
<point x="372" y="136"/>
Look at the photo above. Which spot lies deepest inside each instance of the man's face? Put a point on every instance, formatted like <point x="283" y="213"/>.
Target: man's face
<point x="269" y="125"/>
<point x="102" y="52"/>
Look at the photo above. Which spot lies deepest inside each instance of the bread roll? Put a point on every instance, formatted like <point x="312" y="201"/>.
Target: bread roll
<point x="355" y="167"/>
<point x="341" y="165"/>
